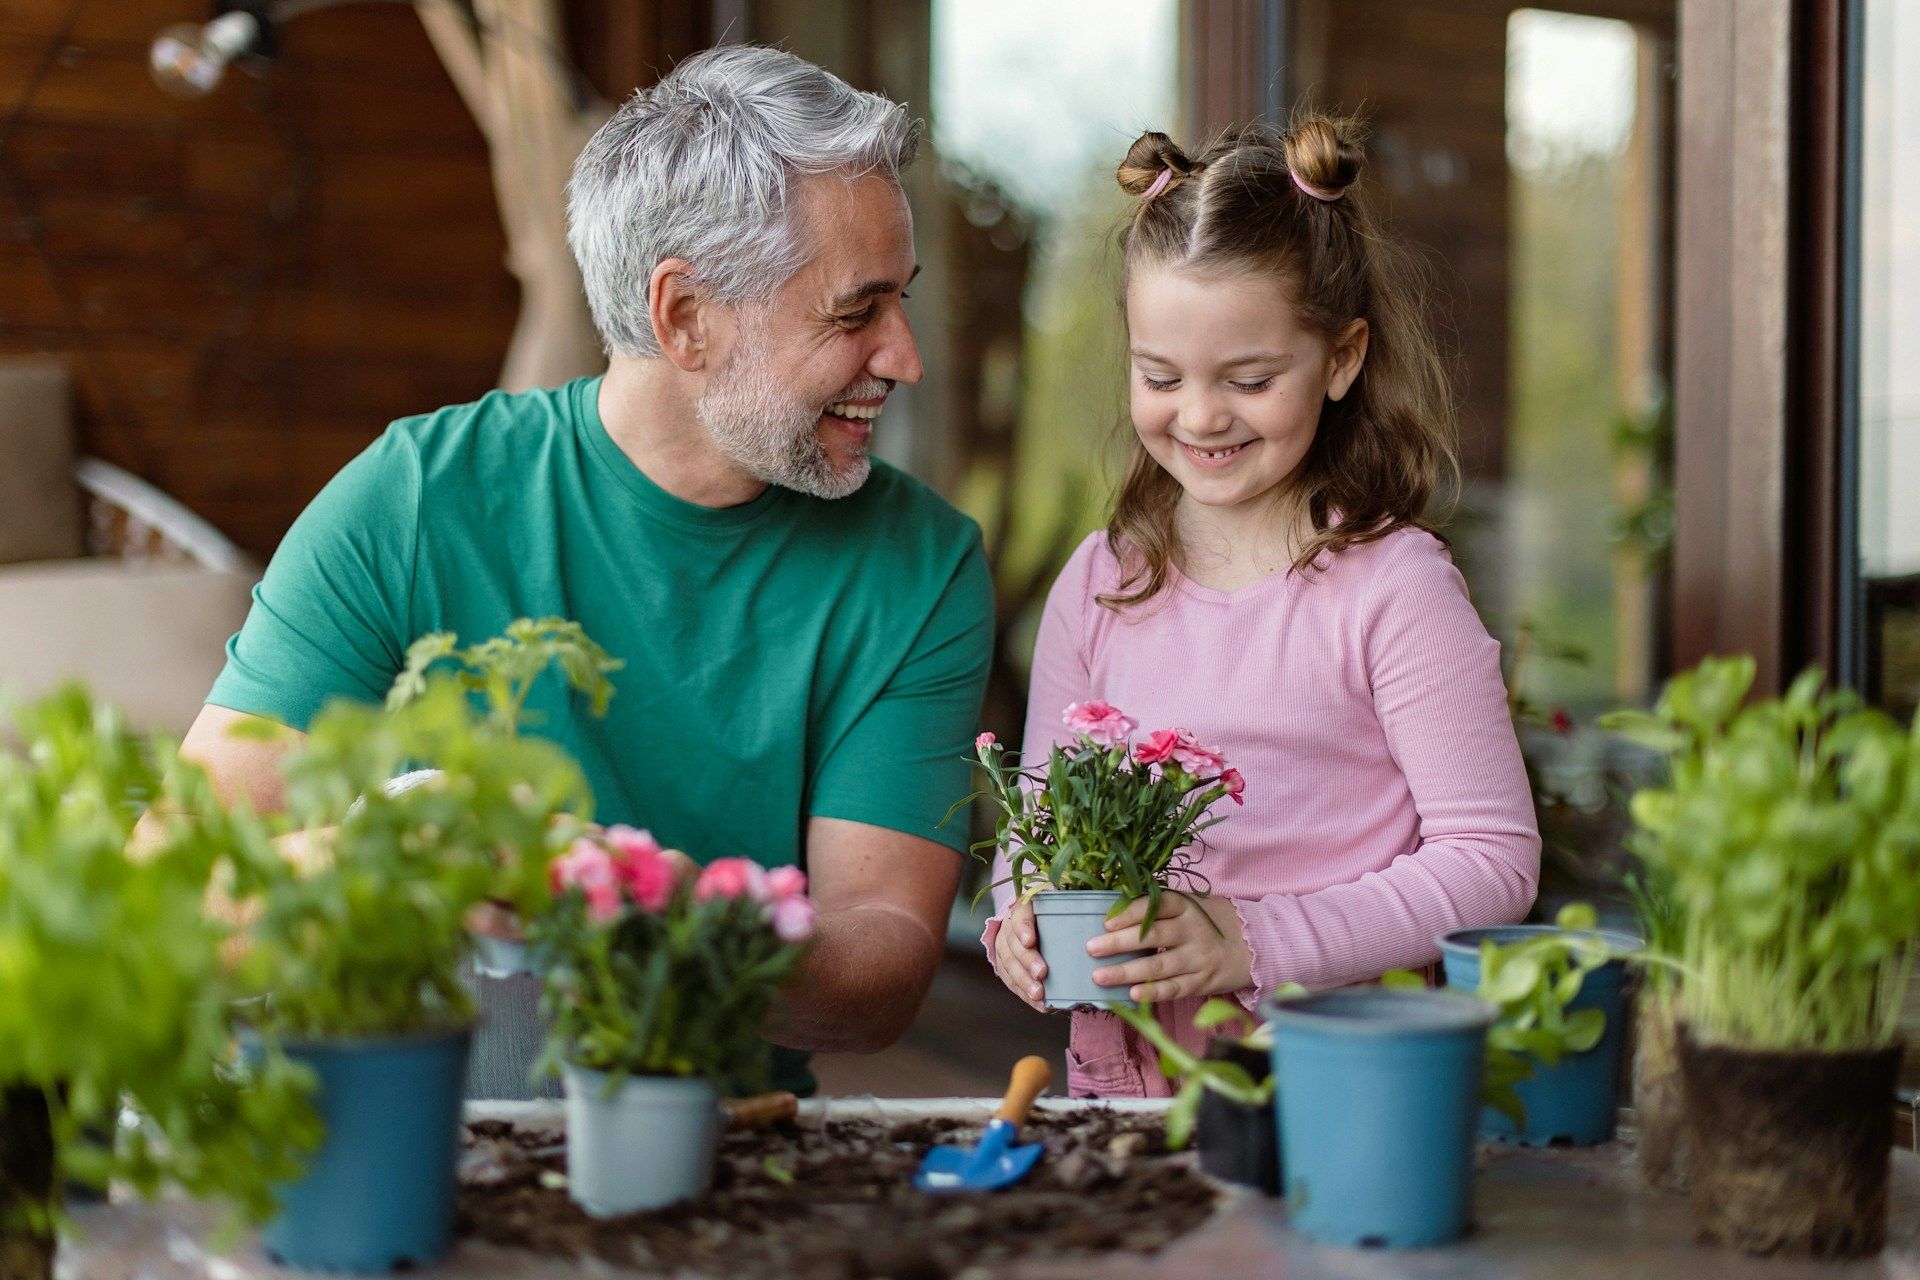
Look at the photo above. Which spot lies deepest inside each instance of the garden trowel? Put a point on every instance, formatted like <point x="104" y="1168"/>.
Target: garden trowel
<point x="996" y="1162"/>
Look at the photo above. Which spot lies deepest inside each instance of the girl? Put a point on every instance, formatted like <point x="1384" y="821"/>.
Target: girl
<point x="1268" y="581"/>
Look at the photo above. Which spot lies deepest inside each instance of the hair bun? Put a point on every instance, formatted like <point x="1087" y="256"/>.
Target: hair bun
<point x="1151" y="155"/>
<point x="1325" y="152"/>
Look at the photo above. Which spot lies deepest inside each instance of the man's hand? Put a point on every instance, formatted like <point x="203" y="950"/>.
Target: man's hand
<point x="1202" y="950"/>
<point x="1016" y="955"/>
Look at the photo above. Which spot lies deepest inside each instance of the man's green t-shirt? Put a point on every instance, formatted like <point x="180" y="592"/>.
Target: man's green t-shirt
<point x="787" y="658"/>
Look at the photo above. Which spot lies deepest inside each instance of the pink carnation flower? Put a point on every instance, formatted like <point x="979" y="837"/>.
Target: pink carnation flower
<point x="1235" y="785"/>
<point x="1201" y="762"/>
<point x="1099" y="722"/>
<point x="792" y="919"/>
<point x="590" y="869"/>
<point x="786" y="882"/>
<point x="1158" y="748"/>
<point x="984" y="741"/>
<point x="731" y="878"/>
<point x="643" y="867"/>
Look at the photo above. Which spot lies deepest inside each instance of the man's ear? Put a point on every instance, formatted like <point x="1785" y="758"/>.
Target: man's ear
<point x="1348" y="355"/>
<point x="677" y="309"/>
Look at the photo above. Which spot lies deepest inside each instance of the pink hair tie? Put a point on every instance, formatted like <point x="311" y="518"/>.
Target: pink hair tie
<point x="1327" y="197"/>
<point x="1159" y="185"/>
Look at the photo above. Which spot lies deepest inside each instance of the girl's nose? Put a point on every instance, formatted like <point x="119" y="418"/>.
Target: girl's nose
<point x="1202" y="415"/>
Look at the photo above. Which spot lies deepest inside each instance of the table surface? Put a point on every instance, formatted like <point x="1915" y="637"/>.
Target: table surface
<point x="1564" y="1214"/>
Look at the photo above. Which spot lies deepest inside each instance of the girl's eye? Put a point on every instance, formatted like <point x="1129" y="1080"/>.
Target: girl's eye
<point x="1155" y="384"/>
<point x="1251" y="387"/>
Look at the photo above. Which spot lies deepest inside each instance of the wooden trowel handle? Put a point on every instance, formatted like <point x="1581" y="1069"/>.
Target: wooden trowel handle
<point x="1031" y="1076"/>
<point x="761" y="1110"/>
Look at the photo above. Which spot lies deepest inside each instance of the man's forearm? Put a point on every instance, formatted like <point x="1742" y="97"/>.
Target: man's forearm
<point x="862" y="982"/>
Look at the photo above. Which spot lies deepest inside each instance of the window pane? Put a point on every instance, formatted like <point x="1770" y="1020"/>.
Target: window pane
<point x="1890" y="355"/>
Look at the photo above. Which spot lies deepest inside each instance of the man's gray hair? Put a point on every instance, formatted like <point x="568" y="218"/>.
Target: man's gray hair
<point x="701" y="166"/>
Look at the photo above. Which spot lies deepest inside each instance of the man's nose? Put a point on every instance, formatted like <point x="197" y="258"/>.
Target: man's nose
<point x="898" y="357"/>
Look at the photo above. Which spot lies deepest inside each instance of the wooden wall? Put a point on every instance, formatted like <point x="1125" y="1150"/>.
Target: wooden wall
<point x="249" y="287"/>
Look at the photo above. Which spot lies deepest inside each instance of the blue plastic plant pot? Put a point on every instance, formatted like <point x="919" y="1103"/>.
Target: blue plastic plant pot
<point x="1377" y="1113"/>
<point x="1576" y="1102"/>
<point x="379" y="1193"/>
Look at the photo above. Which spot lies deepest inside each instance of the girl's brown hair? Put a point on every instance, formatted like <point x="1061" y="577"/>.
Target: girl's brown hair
<point x="1283" y="203"/>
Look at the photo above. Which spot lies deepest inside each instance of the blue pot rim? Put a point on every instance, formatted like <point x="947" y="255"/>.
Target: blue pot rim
<point x="345" y="1045"/>
<point x="1466" y="941"/>
<point x="1423" y="1012"/>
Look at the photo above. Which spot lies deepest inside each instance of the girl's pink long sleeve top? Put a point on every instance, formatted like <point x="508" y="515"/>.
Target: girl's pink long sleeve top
<point x="1386" y="799"/>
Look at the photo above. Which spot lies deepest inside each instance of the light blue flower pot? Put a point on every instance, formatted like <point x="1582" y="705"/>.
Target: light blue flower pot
<point x="1380" y="1090"/>
<point x="1067" y="919"/>
<point x="379" y="1193"/>
<point x="1576" y="1102"/>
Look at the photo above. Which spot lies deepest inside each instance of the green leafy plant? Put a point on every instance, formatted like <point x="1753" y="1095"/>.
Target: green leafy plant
<point x="651" y="974"/>
<point x="503" y="670"/>
<point x="1789" y="831"/>
<point x="117" y="1034"/>
<point x="368" y="942"/>
<point x="1102" y="815"/>
<point x="1198" y="1075"/>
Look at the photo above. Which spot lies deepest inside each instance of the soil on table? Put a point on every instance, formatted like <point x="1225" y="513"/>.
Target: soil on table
<point x="834" y="1200"/>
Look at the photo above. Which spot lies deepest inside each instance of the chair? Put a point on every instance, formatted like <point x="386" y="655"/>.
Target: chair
<point x="104" y="578"/>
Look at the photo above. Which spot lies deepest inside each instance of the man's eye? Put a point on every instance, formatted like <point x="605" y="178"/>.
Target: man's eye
<point x="859" y="319"/>
<point x="1155" y="384"/>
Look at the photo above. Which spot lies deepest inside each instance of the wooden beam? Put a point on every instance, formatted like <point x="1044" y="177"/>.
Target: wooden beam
<point x="1757" y="537"/>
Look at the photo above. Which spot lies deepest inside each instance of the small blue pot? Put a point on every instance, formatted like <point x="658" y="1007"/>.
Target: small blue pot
<point x="1576" y="1102"/>
<point x="379" y="1193"/>
<point x="1377" y="1112"/>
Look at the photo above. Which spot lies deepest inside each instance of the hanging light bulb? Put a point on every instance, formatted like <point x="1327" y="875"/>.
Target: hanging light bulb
<point x="187" y="59"/>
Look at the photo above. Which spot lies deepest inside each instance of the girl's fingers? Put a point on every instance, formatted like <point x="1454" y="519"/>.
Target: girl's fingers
<point x="1171" y="906"/>
<point x="1157" y="967"/>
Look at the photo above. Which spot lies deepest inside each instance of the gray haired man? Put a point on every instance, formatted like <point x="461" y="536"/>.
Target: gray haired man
<point x="806" y="632"/>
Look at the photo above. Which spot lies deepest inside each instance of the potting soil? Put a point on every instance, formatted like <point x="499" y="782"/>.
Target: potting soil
<point x="834" y="1200"/>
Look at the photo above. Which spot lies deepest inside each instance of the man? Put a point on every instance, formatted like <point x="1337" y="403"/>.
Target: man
<point x="806" y="633"/>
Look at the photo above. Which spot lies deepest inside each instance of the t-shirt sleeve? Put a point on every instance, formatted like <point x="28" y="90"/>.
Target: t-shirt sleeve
<point x="330" y="618"/>
<point x="903" y="763"/>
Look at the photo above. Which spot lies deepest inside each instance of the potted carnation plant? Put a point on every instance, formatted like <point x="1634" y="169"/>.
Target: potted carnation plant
<point x="1101" y="825"/>
<point x="1789" y="832"/>
<point x="659" y="989"/>
<point x="357" y="953"/>
<point x="116" y="1033"/>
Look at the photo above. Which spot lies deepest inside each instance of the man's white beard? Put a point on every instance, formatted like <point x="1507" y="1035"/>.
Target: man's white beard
<point x="772" y="437"/>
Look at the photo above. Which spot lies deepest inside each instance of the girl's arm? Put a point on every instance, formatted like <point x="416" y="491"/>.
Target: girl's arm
<point x="1437" y="690"/>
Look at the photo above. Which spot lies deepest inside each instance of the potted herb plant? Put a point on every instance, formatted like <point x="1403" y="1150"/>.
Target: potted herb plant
<point x="1557" y="1045"/>
<point x="357" y="953"/>
<point x="1099" y="827"/>
<point x="1790" y="832"/>
<point x="500" y="673"/>
<point x="659" y="989"/>
<point x="116" y="1034"/>
<point x="1225" y="1101"/>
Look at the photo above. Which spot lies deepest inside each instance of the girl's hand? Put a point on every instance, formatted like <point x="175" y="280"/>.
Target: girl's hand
<point x="1195" y="957"/>
<point x="1016" y="955"/>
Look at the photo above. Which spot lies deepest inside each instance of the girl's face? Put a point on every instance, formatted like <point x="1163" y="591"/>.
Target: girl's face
<point x="1227" y="384"/>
